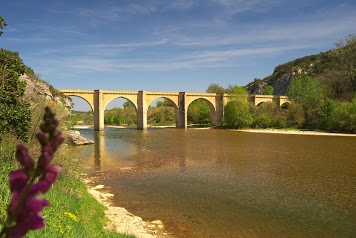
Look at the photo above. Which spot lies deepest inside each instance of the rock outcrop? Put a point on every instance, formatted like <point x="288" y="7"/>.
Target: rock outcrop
<point x="75" y="138"/>
<point x="37" y="88"/>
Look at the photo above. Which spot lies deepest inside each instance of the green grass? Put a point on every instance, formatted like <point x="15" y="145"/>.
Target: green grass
<point x="73" y="212"/>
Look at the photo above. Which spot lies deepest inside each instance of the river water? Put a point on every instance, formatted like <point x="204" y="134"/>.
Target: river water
<point x="219" y="183"/>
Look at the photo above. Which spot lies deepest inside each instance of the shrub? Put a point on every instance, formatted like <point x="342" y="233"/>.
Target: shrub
<point x="237" y="115"/>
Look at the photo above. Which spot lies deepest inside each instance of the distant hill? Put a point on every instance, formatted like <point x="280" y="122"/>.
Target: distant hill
<point x="334" y="69"/>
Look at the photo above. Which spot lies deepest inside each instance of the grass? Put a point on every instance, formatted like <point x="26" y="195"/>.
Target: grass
<point x="73" y="212"/>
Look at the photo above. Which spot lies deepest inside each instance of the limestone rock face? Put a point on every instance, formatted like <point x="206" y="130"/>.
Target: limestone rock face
<point x="35" y="88"/>
<point x="280" y="85"/>
<point x="75" y="138"/>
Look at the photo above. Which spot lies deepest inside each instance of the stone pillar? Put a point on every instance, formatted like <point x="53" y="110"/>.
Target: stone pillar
<point x="141" y="111"/>
<point x="182" y="111"/>
<point x="98" y="111"/>
<point x="218" y="116"/>
<point x="177" y="118"/>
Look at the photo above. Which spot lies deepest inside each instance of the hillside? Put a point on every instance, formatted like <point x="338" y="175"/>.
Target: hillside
<point x="334" y="69"/>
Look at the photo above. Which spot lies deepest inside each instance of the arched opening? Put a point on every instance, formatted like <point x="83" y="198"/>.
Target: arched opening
<point x="200" y="113"/>
<point x="285" y="106"/>
<point x="82" y="112"/>
<point x="120" y="112"/>
<point x="162" y="112"/>
<point x="261" y="104"/>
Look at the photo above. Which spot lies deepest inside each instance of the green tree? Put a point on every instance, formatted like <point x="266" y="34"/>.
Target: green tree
<point x="238" y="93"/>
<point x="304" y="90"/>
<point x="325" y="113"/>
<point x="268" y="90"/>
<point x="15" y="115"/>
<point x="127" y="104"/>
<point x="2" y="24"/>
<point x="215" y="88"/>
<point x="344" y="117"/>
<point x="347" y="58"/>
<point x="199" y="112"/>
<point x="237" y="114"/>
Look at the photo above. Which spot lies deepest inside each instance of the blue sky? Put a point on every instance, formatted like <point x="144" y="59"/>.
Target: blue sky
<point x="166" y="45"/>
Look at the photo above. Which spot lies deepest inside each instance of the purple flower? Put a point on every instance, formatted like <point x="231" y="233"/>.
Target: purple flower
<point x="24" y="158"/>
<point x="27" y="199"/>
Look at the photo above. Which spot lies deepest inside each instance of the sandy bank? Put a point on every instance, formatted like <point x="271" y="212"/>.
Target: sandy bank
<point x="83" y="127"/>
<point x="293" y="132"/>
<point x="122" y="221"/>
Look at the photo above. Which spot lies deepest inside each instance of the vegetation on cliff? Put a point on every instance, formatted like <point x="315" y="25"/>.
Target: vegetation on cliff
<point x="335" y="70"/>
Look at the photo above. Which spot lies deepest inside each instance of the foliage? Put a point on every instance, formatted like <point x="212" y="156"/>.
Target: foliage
<point x="347" y="57"/>
<point x="73" y="119"/>
<point x="2" y="24"/>
<point x="199" y="112"/>
<point x="344" y="117"/>
<point x="69" y="198"/>
<point x="334" y="70"/>
<point x="120" y="116"/>
<point x="325" y="113"/>
<point x="215" y="88"/>
<point x="161" y="115"/>
<point x="268" y="90"/>
<point x="237" y="93"/>
<point x="30" y="183"/>
<point x="295" y="115"/>
<point x="265" y="115"/>
<point x="304" y="90"/>
<point x="237" y="115"/>
<point x="15" y="115"/>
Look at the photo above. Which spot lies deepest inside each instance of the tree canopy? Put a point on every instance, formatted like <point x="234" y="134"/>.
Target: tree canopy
<point x="2" y="24"/>
<point x="15" y="115"/>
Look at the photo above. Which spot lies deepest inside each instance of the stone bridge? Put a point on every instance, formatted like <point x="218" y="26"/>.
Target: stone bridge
<point x="99" y="99"/>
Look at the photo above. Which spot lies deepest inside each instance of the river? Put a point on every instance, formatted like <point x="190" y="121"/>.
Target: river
<point x="220" y="183"/>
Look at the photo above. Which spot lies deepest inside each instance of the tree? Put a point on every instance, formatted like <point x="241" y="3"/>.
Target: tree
<point x="127" y="104"/>
<point x="304" y="90"/>
<point x="237" y="114"/>
<point x="324" y="114"/>
<point x="199" y="112"/>
<point x="2" y="24"/>
<point x="238" y="93"/>
<point x="268" y="90"/>
<point x="347" y="58"/>
<point x="15" y="115"/>
<point x="215" y="88"/>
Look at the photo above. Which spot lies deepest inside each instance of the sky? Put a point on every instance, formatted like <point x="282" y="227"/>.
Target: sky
<point x="168" y="45"/>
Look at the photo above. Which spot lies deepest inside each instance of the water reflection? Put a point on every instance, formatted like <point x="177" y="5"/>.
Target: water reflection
<point x="254" y="185"/>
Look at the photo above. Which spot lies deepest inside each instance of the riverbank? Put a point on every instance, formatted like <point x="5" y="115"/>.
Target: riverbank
<point x="122" y="221"/>
<point x="292" y="132"/>
<point x="268" y="130"/>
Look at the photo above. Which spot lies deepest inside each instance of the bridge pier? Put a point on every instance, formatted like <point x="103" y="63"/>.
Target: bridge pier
<point x="98" y="99"/>
<point x="98" y="111"/>
<point x="218" y="114"/>
<point x="141" y="111"/>
<point x="182" y="111"/>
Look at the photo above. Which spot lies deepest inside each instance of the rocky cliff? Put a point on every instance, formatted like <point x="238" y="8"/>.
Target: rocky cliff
<point x="37" y="88"/>
<point x="334" y="69"/>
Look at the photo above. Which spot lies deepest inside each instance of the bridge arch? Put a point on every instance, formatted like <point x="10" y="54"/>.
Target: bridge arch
<point x="91" y="106"/>
<point x="108" y="97"/>
<point x="123" y="97"/>
<point x="167" y="98"/>
<point x="97" y="99"/>
<point x="200" y="111"/>
<point x="285" y="105"/>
